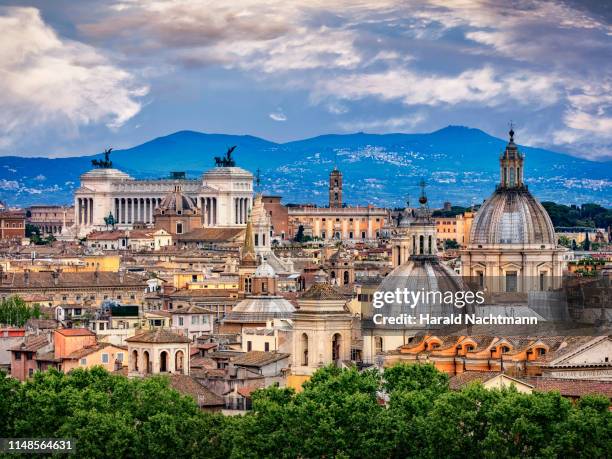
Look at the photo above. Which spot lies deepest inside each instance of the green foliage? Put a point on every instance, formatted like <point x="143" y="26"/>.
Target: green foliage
<point x="454" y="211"/>
<point x="451" y="244"/>
<point x="337" y="414"/>
<point x="14" y="311"/>
<point x="588" y="215"/>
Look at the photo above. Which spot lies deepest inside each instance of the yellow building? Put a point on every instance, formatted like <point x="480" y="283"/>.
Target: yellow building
<point x="80" y="264"/>
<point x="106" y="355"/>
<point x="455" y="228"/>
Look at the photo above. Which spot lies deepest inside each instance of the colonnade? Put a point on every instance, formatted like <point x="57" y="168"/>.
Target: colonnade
<point x="84" y="210"/>
<point x="241" y="210"/>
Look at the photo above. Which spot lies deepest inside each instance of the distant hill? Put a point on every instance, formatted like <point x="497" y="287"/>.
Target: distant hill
<point x="460" y="165"/>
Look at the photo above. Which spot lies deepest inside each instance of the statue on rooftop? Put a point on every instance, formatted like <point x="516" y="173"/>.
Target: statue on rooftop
<point x="227" y="160"/>
<point x="106" y="163"/>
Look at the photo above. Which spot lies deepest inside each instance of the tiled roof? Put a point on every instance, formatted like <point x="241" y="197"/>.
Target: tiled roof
<point x="106" y="235"/>
<point x="45" y="279"/>
<point x="247" y="391"/>
<point x="161" y="335"/>
<point x="572" y="387"/>
<point x="322" y="291"/>
<point x="32" y="344"/>
<point x="75" y="332"/>
<point x="85" y="351"/>
<point x="192" y="310"/>
<point x="258" y="358"/>
<point x="462" y="379"/>
<point x="190" y="386"/>
<point x="212" y="235"/>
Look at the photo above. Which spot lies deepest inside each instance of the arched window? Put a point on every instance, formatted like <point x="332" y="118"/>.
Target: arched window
<point x="304" y="349"/>
<point x="134" y="360"/>
<point x="256" y="239"/>
<point x="263" y="239"/>
<point x="346" y="278"/>
<point x="146" y="362"/>
<point x="163" y="362"/>
<point x="179" y="360"/>
<point x="336" y="347"/>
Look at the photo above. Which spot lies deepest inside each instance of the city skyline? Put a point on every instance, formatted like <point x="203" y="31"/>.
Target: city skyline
<point x="81" y="77"/>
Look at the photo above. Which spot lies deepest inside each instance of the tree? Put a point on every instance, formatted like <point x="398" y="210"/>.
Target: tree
<point x="586" y="244"/>
<point x="14" y="311"/>
<point x="450" y="244"/>
<point x="299" y="237"/>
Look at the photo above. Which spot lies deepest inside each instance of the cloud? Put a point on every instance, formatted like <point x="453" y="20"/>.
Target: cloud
<point x="482" y="86"/>
<point x="471" y="61"/>
<point x="58" y="84"/>
<point x="278" y="116"/>
<point x="383" y="125"/>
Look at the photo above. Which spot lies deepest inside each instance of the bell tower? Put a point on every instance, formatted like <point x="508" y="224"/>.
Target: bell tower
<point x="335" y="188"/>
<point x="511" y="165"/>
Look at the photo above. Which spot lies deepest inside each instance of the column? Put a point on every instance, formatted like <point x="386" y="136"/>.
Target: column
<point x="236" y="213"/>
<point x="91" y="219"/>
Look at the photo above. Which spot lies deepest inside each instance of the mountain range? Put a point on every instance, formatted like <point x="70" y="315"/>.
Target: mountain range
<point x="459" y="165"/>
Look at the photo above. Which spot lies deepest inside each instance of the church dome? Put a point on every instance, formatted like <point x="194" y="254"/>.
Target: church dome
<point x="512" y="216"/>
<point x="256" y="309"/>
<point x="420" y="274"/>
<point x="176" y="202"/>
<point x="265" y="270"/>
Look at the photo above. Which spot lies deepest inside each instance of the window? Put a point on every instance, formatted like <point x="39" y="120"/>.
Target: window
<point x="249" y="346"/>
<point x="179" y="228"/>
<point x="17" y="355"/>
<point x="104" y="358"/>
<point x="256" y="239"/>
<point x="511" y="281"/>
<point x="195" y="320"/>
<point x="30" y="372"/>
<point x="120" y="356"/>
<point x="180" y="321"/>
<point x="83" y="361"/>
<point x="267" y="347"/>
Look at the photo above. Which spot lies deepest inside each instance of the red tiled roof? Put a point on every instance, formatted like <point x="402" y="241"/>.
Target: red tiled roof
<point x="246" y="391"/>
<point x="75" y="332"/>
<point x="572" y="387"/>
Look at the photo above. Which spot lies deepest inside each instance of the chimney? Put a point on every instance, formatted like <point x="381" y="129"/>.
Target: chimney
<point x="55" y="274"/>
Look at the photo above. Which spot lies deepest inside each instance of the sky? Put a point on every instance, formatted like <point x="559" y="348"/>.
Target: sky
<point x="76" y="77"/>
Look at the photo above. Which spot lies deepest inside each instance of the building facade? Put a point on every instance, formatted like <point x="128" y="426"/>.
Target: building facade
<point x="223" y="196"/>
<point x="50" y="219"/>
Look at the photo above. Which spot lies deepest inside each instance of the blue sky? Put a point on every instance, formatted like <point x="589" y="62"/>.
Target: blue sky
<point x="80" y="76"/>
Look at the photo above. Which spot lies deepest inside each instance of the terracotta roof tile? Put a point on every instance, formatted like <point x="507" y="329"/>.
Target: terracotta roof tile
<point x="161" y="335"/>
<point x="188" y="385"/>
<point x="258" y="358"/>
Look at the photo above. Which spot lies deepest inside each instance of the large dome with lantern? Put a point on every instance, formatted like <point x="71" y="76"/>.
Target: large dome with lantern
<point x="512" y="215"/>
